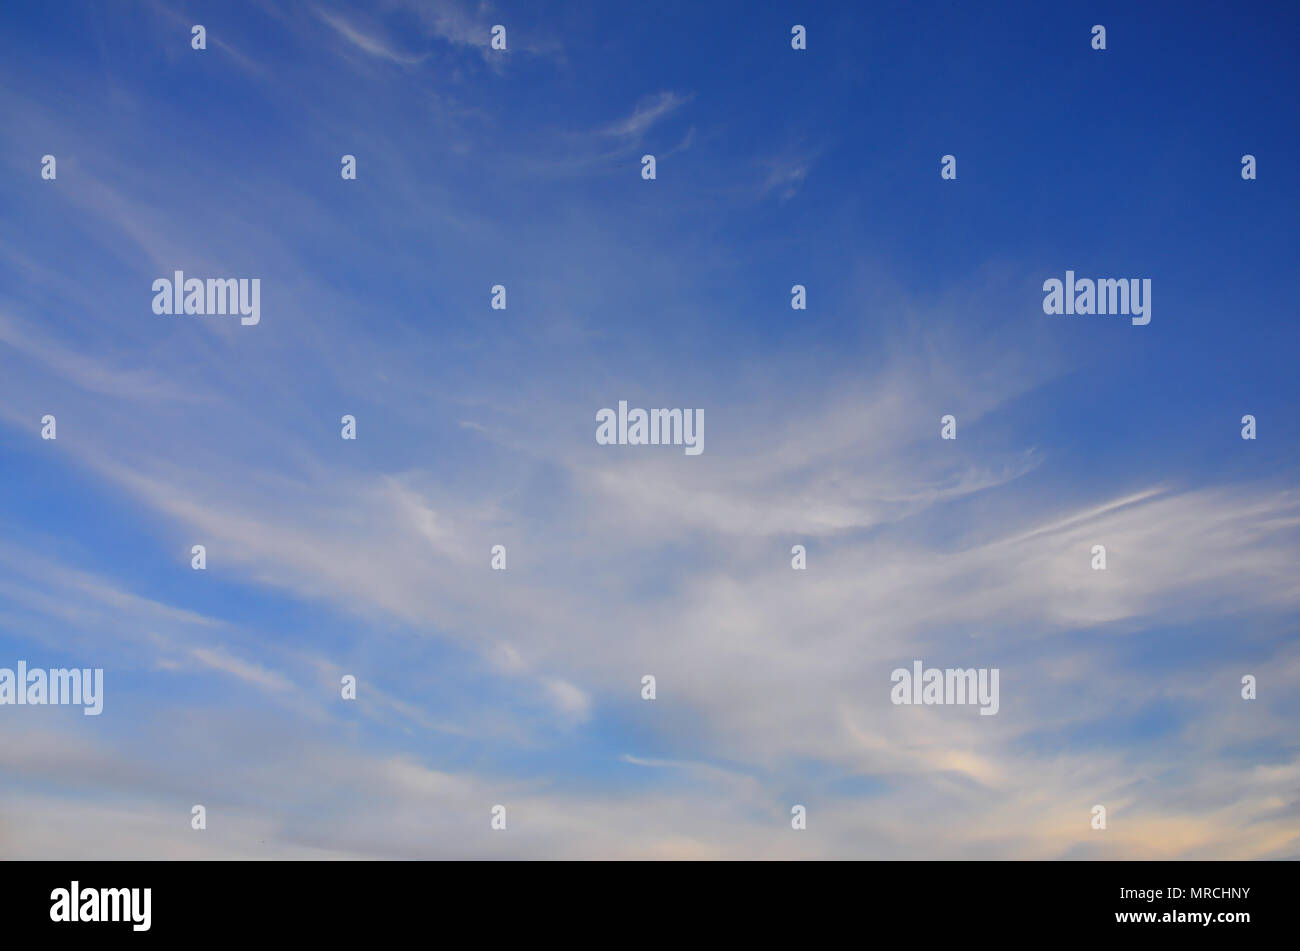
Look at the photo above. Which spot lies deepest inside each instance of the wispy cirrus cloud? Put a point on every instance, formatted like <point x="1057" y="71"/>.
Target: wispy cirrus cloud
<point x="366" y="42"/>
<point x="649" y="111"/>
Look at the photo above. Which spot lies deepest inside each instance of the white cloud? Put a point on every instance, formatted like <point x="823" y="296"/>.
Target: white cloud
<point x="647" y="113"/>
<point x="365" y="42"/>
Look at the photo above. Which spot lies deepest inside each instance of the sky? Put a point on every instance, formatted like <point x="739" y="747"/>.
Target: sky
<point x="475" y="427"/>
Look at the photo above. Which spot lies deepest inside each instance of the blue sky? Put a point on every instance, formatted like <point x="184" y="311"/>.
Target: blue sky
<point x="476" y="427"/>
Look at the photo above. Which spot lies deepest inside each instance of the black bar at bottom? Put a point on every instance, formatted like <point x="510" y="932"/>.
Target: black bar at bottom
<point x="656" y="902"/>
